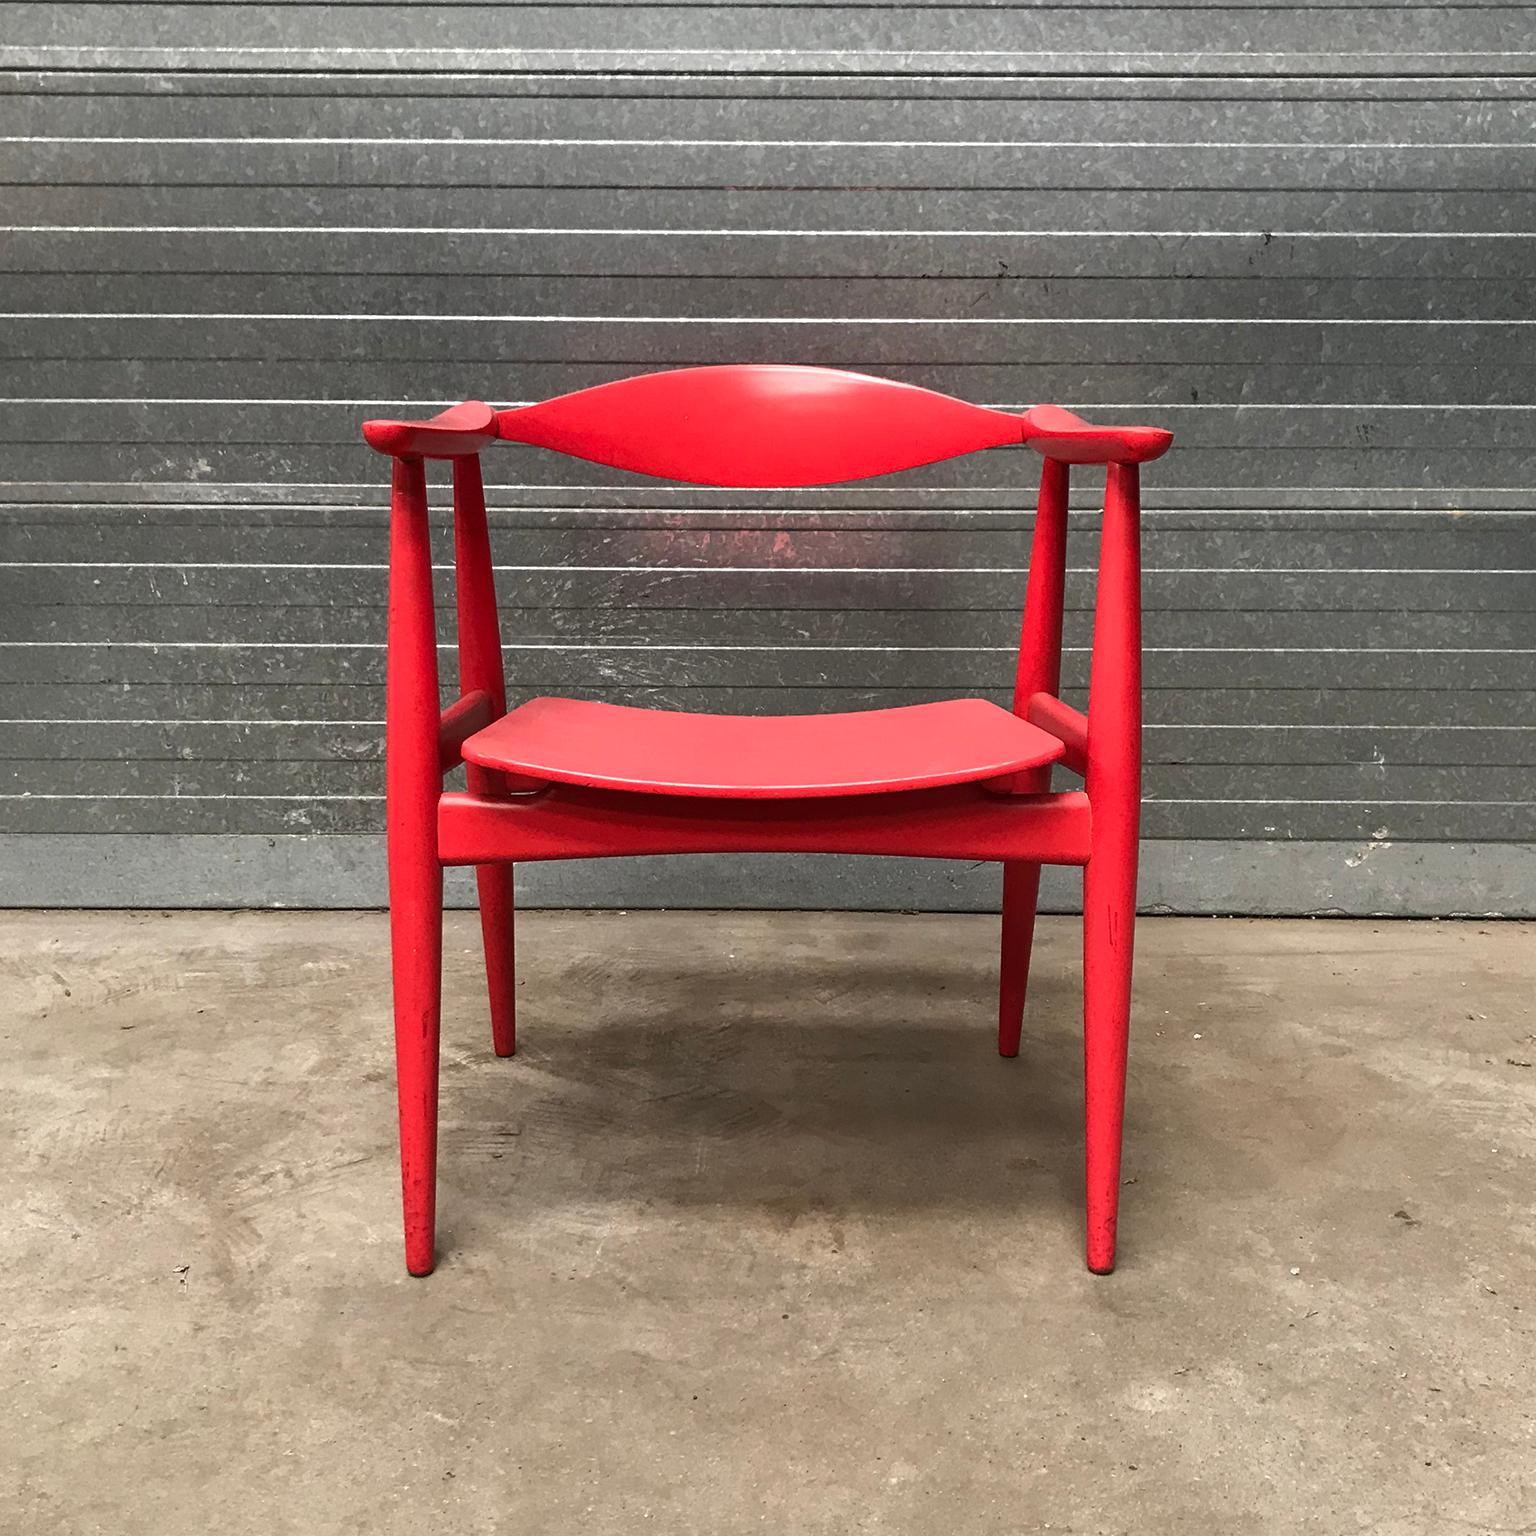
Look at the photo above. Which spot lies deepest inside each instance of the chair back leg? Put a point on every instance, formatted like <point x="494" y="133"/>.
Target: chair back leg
<point x="1039" y="671"/>
<point x="1021" y="897"/>
<point x="481" y="667"/>
<point x="497" y="935"/>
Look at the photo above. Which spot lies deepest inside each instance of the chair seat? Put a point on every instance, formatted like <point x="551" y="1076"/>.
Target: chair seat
<point x="761" y="757"/>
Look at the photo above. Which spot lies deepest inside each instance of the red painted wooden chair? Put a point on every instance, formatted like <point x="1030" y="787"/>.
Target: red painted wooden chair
<point x="573" y="779"/>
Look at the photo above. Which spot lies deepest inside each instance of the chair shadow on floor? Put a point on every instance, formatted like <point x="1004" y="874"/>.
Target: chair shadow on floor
<point x="825" y="1088"/>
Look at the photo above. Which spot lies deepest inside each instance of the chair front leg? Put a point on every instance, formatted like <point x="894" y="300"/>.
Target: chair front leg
<point x="1109" y="919"/>
<point x="1113" y="783"/>
<point x="416" y="945"/>
<point x="413" y="784"/>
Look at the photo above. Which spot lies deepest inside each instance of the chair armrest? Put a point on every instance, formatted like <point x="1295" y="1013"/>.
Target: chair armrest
<point x="453" y="434"/>
<point x="1057" y="434"/>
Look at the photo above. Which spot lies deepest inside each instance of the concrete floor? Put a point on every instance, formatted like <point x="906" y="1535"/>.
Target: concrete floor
<point x="758" y="1234"/>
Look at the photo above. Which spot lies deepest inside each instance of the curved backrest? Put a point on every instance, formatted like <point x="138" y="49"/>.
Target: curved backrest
<point x="764" y="424"/>
<point x="759" y="425"/>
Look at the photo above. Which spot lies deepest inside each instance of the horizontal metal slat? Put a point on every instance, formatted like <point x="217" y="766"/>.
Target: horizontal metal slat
<point x="858" y="208"/>
<point x="689" y="109"/>
<point x="338" y="699"/>
<point x="1465" y="544"/>
<point x="624" y="342"/>
<point x="902" y="38"/>
<point x="1214" y="626"/>
<point x="269" y="587"/>
<point x="556" y="667"/>
<point x="782" y="166"/>
<point x="79" y="240"/>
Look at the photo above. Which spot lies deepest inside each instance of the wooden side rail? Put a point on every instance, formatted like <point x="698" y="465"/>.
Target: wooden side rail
<point x="1067" y="725"/>
<point x="565" y="821"/>
<point x="459" y="722"/>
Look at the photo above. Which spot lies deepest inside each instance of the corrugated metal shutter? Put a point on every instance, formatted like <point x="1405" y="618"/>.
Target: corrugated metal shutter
<point x="1299" y="235"/>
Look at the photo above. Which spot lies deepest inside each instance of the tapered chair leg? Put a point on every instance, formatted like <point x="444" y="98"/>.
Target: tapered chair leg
<point x="416" y="937"/>
<point x="413" y="785"/>
<point x="1109" y="917"/>
<point x="480" y="667"/>
<point x="1039" y="671"/>
<point x="496" y="930"/>
<point x="1113" y="782"/>
<point x="1021" y="892"/>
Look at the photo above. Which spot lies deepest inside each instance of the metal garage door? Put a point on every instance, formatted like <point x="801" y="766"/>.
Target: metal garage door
<point x="1298" y="235"/>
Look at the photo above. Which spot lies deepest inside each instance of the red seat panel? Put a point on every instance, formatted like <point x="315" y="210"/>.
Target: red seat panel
<point x="761" y="757"/>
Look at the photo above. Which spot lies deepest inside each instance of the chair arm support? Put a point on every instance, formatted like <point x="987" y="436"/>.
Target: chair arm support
<point x="1067" y="725"/>
<point x="1057" y="434"/>
<point x="458" y="723"/>
<point x="456" y="433"/>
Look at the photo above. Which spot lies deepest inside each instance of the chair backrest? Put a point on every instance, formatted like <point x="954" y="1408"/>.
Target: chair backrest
<point x="763" y="424"/>
<point x="759" y="425"/>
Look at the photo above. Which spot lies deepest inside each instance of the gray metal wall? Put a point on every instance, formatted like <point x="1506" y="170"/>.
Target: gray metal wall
<point x="1299" y="235"/>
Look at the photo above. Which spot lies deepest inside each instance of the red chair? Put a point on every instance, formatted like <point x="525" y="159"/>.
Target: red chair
<point x="573" y="779"/>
